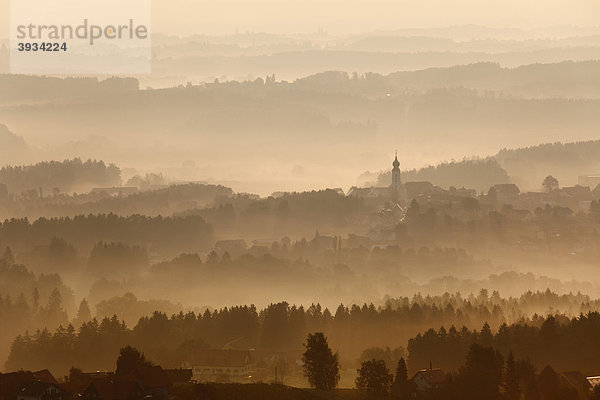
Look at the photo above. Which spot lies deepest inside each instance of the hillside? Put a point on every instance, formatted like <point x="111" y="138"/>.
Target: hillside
<point x="528" y="166"/>
<point x="55" y="176"/>
<point x="334" y="121"/>
<point x="13" y="148"/>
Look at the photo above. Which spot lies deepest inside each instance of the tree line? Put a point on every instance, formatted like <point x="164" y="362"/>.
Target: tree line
<point x="567" y="344"/>
<point x="51" y="177"/>
<point x="159" y="201"/>
<point x="557" y="340"/>
<point x="485" y="374"/>
<point x="172" y="234"/>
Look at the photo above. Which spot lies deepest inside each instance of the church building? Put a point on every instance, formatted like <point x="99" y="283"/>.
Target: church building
<point x="398" y="192"/>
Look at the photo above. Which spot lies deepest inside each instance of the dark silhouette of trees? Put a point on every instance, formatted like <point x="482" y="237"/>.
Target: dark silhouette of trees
<point x="481" y="375"/>
<point x="390" y="356"/>
<point x="470" y="204"/>
<point x="548" y="384"/>
<point x="550" y="183"/>
<point x="165" y="201"/>
<point x="486" y="336"/>
<point x="58" y="256"/>
<point x="77" y="377"/>
<point x="173" y="234"/>
<point x="8" y="258"/>
<point x="402" y="388"/>
<point x="550" y="387"/>
<point x="53" y="312"/>
<point x="132" y="310"/>
<point x="555" y="340"/>
<point x="475" y="174"/>
<point x="117" y="259"/>
<point x="129" y="360"/>
<point x="83" y="313"/>
<point x="401" y="372"/>
<point x="374" y="376"/>
<point x="321" y="365"/>
<point x="69" y="175"/>
<point x="413" y="211"/>
<point x="144" y="183"/>
<point x="511" y="385"/>
<point x="527" y="379"/>
<point x="566" y="343"/>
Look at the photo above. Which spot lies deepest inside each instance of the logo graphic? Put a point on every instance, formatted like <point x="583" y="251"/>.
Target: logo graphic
<point x="74" y="37"/>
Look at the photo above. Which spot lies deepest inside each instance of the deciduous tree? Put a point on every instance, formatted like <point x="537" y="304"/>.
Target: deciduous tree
<point x="321" y="365"/>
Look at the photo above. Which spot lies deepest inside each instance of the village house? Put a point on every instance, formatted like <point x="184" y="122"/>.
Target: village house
<point x="226" y="363"/>
<point x="45" y="376"/>
<point x="593" y="380"/>
<point x="504" y="193"/>
<point x="13" y="383"/>
<point x="589" y="180"/>
<point x="426" y="380"/>
<point x="154" y="380"/>
<point x="38" y="390"/>
<point x="577" y="381"/>
<point x="416" y="189"/>
<point x="117" y="389"/>
<point x="369" y="192"/>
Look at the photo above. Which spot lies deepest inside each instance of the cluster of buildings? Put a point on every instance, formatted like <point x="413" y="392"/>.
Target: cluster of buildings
<point x="148" y="383"/>
<point x="233" y="365"/>
<point x="576" y="198"/>
<point x="400" y="194"/>
<point x="428" y="380"/>
<point x="155" y="383"/>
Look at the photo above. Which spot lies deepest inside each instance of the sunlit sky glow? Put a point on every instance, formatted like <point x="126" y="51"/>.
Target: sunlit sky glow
<point x="184" y="17"/>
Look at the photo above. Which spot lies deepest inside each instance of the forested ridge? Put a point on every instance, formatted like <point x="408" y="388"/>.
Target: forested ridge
<point x="562" y="339"/>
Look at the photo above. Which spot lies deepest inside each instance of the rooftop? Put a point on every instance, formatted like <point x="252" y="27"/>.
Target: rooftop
<point x="433" y="376"/>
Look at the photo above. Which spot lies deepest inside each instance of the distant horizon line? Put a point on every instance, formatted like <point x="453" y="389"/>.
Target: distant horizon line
<point x="323" y="31"/>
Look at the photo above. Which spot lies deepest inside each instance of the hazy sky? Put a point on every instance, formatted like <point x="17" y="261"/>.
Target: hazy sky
<point x="341" y="16"/>
<point x="337" y="16"/>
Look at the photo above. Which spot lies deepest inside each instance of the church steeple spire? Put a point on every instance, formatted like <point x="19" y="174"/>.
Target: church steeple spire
<point x="398" y="192"/>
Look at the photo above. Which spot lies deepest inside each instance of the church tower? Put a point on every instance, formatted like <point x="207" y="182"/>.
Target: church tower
<point x="397" y="188"/>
